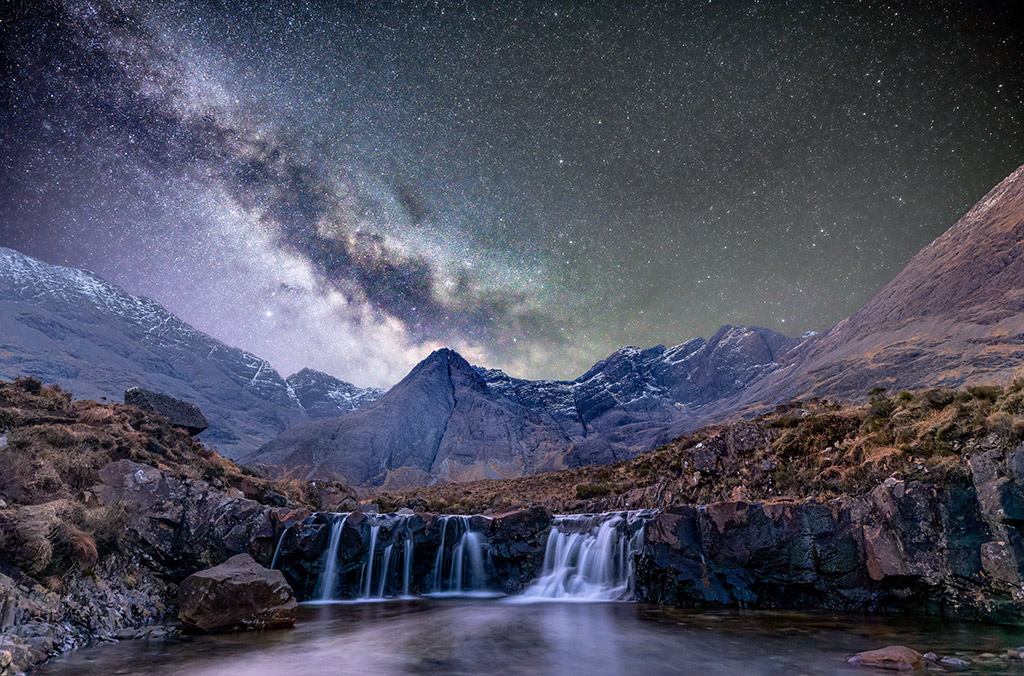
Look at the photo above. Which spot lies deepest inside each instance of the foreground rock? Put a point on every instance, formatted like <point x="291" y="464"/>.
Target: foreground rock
<point x="181" y="413"/>
<point x="892" y="658"/>
<point x="239" y="594"/>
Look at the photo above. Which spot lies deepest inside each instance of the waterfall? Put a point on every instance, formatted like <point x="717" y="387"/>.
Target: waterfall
<point x="328" y="579"/>
<point x="591" y="556"/>
<point x="375" y="579"/>
<point x="277" y="549"/>
<point x="439" y="559"/>
<point x="463" y="560"/>
<point x="368" y="569"/>
<point x="407" y="568"/>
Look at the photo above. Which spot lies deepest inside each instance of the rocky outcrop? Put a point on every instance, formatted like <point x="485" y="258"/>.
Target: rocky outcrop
<point x="122" y="594"/>
<point x="181" y="413"/>
<point x="907" y="546"/>
<point x="185" y="526"/>
<point x="239" y="594"/>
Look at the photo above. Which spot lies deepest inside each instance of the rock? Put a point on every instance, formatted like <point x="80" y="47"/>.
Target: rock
<point x="892" y="658"/>
<point x="520" y="524"/>
<point x="954" y="662"/>
<point x="930" y="657"/>
<point x="181" y="413"/>
<point x="274" y="499"/>
<point x="239" y="594"/>
<point x="332" y="496"/>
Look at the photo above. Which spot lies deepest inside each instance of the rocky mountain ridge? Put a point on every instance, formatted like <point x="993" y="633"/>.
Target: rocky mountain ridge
<point x="953" y="316"/>
<point x="450" y="421"/>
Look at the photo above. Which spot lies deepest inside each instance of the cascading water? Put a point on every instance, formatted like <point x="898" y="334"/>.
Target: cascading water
<point x="277" y="549"/>
<point x="368" y="569"/>
<point x="590" y="557"/>
<point x="407" y="568"/>
<point x="377" y="578"/>
<point x="459" y="563"/>
<point x="328" y="580"/>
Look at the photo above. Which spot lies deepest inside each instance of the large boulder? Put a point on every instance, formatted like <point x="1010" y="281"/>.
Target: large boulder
<point x="181" y="413"/>
<point x="239" y="594"/>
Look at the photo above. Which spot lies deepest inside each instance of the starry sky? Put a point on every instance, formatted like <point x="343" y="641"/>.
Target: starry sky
<point x="350" y="185"/>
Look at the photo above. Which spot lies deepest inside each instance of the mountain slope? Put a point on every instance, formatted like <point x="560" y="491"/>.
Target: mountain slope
<point x="70" y="327"/>
<point x="953" y="315"/>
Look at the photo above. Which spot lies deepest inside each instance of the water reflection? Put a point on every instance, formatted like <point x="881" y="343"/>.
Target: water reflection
<point x="471" y="637"/>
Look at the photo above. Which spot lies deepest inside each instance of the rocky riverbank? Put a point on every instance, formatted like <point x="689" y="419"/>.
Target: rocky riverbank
<point x="104" y="509"/>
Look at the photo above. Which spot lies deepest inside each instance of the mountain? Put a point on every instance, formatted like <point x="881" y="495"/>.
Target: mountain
<point x="70" y="327"/>
<point x="324" y="396"/>
<point x="450" y="421"/>
<point x="952" y="316"/>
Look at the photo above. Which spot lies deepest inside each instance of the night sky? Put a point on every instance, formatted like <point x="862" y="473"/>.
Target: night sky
<point x="349" y="185"/>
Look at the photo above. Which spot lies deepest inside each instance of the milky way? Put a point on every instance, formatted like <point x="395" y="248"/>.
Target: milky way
<point x="350" y="185"/>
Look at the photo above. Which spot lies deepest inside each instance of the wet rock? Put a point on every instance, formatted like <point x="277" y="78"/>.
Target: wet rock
<point x="954" y="662"/>
<point x="239" y="594"/>
<point x="892" y="658"/>
<point x="519" y="524"/>
<point x="181" y="413"/>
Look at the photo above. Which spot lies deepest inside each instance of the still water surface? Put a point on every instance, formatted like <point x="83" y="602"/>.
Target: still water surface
<point x="494" y="637"/>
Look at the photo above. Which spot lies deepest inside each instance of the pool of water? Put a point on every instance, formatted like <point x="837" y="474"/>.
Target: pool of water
<point x="495" y="637"/>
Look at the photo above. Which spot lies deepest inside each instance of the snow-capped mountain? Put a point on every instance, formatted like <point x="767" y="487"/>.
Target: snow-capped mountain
<point x="324" y="396"/>
<point x="69" y="326"/>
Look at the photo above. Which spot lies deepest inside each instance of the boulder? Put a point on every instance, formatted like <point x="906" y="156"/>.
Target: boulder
<point x="181" y="413"/>
<point x="239" y="594"/>
<point x="892" y="658"/>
